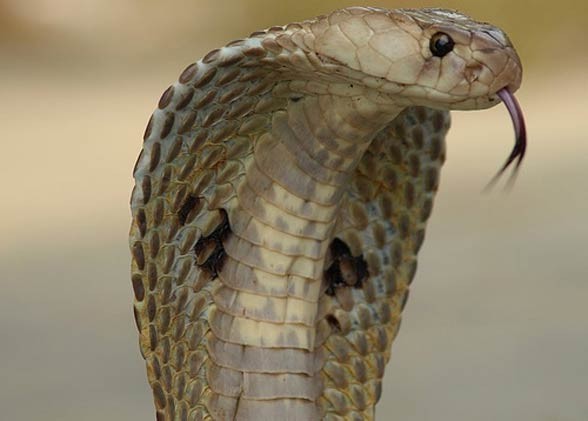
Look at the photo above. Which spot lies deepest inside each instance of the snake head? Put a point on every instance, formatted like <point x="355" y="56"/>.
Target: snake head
<point x="431" y="57"/>
<point x="428" y="57"/>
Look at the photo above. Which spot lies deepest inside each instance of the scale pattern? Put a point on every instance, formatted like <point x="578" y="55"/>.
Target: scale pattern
<point x="280" y="201"/>
<point x="384" y="219"/>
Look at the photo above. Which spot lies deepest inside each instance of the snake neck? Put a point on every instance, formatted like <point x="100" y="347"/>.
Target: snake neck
<point x="284" y="214"/>
<point x="267" y="297"/>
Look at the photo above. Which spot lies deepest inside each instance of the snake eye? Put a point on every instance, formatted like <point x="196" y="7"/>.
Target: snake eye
<point x="441" y="44"/>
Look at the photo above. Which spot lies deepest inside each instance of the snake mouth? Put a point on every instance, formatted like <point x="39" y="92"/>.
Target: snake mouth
<point x="518" y="151"/>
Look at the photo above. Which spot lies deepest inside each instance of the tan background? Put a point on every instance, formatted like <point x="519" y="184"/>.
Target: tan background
<point x="496" y="327"/>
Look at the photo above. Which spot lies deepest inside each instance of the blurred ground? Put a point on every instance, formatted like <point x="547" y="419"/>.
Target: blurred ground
<point x="496" y="326"/>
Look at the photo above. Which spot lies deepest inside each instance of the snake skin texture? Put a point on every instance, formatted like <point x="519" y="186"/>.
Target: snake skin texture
<point x="281" y="199"/>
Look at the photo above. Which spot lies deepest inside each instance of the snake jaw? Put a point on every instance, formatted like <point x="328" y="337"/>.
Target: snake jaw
<point x="518" y="151"/>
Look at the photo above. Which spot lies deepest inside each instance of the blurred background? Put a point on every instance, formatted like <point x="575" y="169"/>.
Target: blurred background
<point x="496" y="327"/>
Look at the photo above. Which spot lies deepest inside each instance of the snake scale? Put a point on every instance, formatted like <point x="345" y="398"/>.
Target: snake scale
<point x="281" y="199"/>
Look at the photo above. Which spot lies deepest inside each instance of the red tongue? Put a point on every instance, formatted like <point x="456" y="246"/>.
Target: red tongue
<point x="520" y="146"/>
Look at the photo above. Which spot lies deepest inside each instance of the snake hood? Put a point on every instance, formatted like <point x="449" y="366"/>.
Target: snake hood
<point x="281" y="198"/>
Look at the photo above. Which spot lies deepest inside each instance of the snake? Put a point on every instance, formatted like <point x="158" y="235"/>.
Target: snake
<point x="281" y="198"/>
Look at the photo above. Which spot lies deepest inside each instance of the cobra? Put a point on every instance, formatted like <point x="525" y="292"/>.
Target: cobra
<point x="280" y="202"/>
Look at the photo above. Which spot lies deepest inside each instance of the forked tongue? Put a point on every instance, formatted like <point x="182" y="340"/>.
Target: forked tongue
<point x="518" y="151"/>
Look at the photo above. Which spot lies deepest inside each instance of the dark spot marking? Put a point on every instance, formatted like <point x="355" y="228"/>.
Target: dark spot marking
<point x="227" y="76"/>
<point x="166" y="98"/>
<point x="166" y="375"/>
<point x="183" y="103"/>
<point x="146" y="188"/>
<point x="229" y="61"/>
<point x="179" y="360"/>
<point x="156" y="367"/>
<point x="255" y="51"/>
<point x="181" y="303"/>
<point x="427" y="209"/>
<point x="211" y="247"/>
<point x="167" y="125"/>
<point x="414" y="164"/>
<point x="159" y="396"/>
<point x="198" y="140"/>
<point x="179" y="327"/>
<point x="165" y="179"/>
<point x="165" y="291"/>
<point x="139" y="255"/>
<point x="154" y="244"/>
<point x="152" y="338"/>
<point x="190" y="203"/>
<point x="205" y="99"/>
<point x="211" y="56"/>
<point x="431" y="179"/>
<point x="179" y="198"/>
<point x="205" y="78"/>
<point x="404" y="226"/>
<point x="158" y="212"/>
<point x="212" y="118"/>
<point x="138" y="288"/>
<point x="361" y="268"/>
<point x="390" y="283"/>
<point x="164" y="320"/>
<point x="438" y="121"/>
<point x="396" y="254"/>
<point x="155" y="156"/>
<point x="395" y="154"/>
<point x="338" y="248"/>
<point x="333" y="322"/>
<point x="231" y="94"/>
<point x="174" y="150"/>
<point x="345" y="269"/>
<point x="169" y="256"/>
<point x="421" y="115"/>
<point x="295" y="98"/>
<point x="187" y="167"/>
<point x="183" y="409"/>
<point x="409" y="195"/>
<point x="181" y="388"/>
<point x="152" y="276"/>
<point x="189" y="73"/>
<point x="151" y="308"/>
<point x="165" y="351"/>
<point x="141" y="221"/>
<point x="186" y="125"/>
<point x="436" y="148"/>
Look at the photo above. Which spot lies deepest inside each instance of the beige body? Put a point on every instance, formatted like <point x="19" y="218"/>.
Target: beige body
<point x="258" y="158"/>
